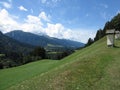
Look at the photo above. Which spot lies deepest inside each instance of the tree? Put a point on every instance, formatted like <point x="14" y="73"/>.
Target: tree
<point x="109" y="25"/>
<point x="99" y="35"/>
<point x="113" y="24"/>
<point x="39" y="51"/>
<point x="116" y="21"/>
<point x="90" y="41"/>
<point x="1" y="65"/>
<point x="14" y="55"/>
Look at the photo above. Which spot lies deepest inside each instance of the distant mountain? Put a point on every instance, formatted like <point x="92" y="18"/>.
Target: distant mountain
<point x="42" y="40"/>
<point x="8" y="44"/>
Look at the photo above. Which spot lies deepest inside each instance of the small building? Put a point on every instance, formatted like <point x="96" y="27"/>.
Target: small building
<point x="110" y="37"/>
<point x="117" y="35"/>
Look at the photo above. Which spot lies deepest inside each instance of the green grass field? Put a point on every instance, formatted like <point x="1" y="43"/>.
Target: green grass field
<point x="96" y="67"/>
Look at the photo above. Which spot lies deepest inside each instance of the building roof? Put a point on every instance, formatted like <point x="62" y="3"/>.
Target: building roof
<point x="110" y="31"/>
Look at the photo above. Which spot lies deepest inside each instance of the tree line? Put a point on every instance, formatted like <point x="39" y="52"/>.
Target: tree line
<point x="13" y="59"/>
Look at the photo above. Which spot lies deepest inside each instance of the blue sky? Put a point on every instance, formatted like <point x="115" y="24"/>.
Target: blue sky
<point x="70" y="19"/>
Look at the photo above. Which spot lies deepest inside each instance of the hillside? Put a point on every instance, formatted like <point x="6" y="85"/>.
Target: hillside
<point x="8" y="44"/>
<point x="96" y="67"/>
<point x="42" y="40"/>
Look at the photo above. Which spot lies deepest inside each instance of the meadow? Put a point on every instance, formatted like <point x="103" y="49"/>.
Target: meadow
<point x="96" y="67"/>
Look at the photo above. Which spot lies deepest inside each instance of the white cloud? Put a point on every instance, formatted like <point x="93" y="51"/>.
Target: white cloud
<point x="82" y="35"/>
<point x="35" y="25"/>
<point x="32" y="24"/>
<point x="32" y="19"/>
<point x="59" y="31"/>
<point x="7" y="23"/>
<point x="43" y="16"/>
<point x="22" y="8"/>
<point x="54" y="30"/>
<point x="6" y="5"/>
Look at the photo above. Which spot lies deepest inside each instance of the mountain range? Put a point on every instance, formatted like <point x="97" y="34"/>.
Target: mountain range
<point x="8" y="44"/>
<point x="41" y="40"/>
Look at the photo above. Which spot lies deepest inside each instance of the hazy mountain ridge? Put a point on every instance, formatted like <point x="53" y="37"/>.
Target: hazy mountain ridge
<point x="8" y="44"/>
<point x="42" y="40"/>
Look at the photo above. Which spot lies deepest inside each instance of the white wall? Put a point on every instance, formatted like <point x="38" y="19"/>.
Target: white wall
<point x="110" y="40"/>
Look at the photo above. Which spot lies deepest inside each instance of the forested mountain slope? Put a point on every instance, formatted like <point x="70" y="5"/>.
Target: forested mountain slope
<point x="42" y="40"/>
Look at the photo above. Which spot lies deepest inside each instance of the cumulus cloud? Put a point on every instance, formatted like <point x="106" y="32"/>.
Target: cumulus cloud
<point x="59" y="31"/>
<point x="7" y="23"/>
<point x="32" y="24"/>
<point x="35" y="25"/>
<point x="55" y="30"/>
<point x="22" y="8"/>
<point x="32" y="19"/>
<point x="43" y="16"/>
<point x="6" y="5"/>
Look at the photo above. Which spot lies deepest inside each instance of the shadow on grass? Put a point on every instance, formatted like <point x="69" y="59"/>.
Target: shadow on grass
<point x="116" y="46"/>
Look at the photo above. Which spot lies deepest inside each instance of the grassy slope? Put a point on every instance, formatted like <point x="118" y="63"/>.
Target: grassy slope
<point x="94" y="68"/>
